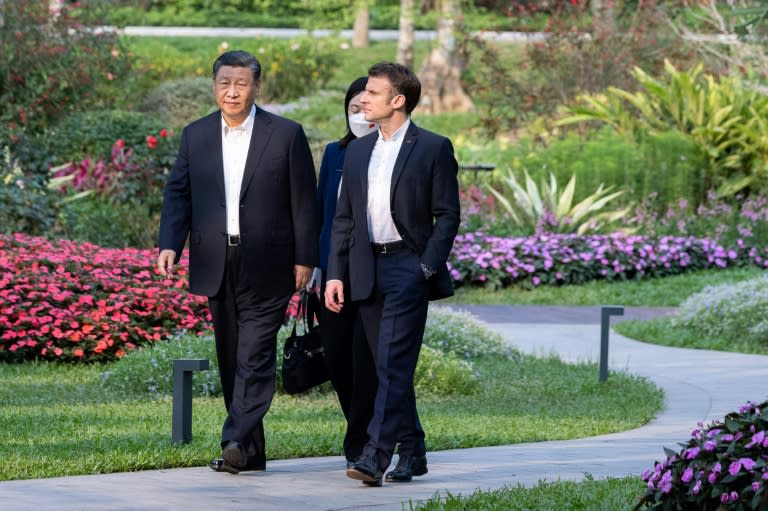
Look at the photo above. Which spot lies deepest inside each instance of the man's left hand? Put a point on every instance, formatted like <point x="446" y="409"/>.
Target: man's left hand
<point x="302" y="274"/>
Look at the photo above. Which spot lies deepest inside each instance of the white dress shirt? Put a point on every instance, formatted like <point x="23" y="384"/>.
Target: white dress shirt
<point x="381" y="227"/>
<point x="235" y="141"/>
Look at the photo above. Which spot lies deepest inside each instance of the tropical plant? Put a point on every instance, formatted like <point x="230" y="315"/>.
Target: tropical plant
<point x="536" y="209"/>
<point x="725" y="119"/>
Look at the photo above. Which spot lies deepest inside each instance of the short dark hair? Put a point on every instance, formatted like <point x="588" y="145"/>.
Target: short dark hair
<point x="354" y="89"/>
<point x="238" y="58"/>
<point x="403" y="80"/>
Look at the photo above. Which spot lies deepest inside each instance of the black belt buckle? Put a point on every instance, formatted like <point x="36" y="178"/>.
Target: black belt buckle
<point x="233" y="240"/>
<point x="386" y="248"/>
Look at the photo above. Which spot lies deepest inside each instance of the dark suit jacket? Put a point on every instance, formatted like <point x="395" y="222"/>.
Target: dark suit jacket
<point x="424" y="202"/>
<point x="278" y="221"/>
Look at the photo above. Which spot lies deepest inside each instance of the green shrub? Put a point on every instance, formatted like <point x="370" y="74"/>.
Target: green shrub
<point x="451" y="340"/>
<point x="25" y="202"/>
<point x="92" y="133"/>
<point x="150" y="370"/>
<point x="443" y="373"/>
<point x="664" y="164"/>
<point x="461" y="333"/>
<point x="178" y="102"/>
<point x="107" y="222"/>
<point x="736" y="311"/>
<point x="724" y="119"/>
<point x="55" y="66"/>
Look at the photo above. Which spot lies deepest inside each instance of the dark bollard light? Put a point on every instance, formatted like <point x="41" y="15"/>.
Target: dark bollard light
<point x="605" y="314"/>
<point x="182" y="398"/>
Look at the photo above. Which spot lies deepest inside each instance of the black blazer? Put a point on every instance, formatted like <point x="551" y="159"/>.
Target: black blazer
<point x="424" y="202"/>
<point x="278" y="220"/>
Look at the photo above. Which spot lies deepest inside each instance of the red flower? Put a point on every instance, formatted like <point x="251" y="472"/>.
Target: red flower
<point x="163" y="133"/>
<point x="120" y="143"/>
<point x="151" y="141"/>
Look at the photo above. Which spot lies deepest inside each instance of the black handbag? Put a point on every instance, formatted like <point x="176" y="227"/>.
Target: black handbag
<point x="303" y="357"/>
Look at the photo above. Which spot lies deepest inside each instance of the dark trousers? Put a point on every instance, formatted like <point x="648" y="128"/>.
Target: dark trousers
<point x="394" y="318"/>
<point x="352" y="372"/>
<point x="245" y="326"/>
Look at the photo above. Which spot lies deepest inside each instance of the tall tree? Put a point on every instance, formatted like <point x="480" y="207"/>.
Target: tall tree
<point x="441" y="89"/>
<point x="405" y="34"/>
<point x="362" y="22"/>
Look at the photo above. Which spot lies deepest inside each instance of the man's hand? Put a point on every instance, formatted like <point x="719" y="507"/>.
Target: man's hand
<point x="302" y="274"/>
<point x="165" y="262"/>
<point x="334" y="295"/>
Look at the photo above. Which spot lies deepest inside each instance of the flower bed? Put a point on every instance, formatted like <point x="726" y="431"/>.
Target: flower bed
<point x="722" y="466"/>
<point x="573" y="259"/>
<point x="61" y="300"/>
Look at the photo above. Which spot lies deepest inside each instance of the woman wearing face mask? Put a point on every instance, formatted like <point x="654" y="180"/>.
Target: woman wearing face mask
<point x="346" y="352"/>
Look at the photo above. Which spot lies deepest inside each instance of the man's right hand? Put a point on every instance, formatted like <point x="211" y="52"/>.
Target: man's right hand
<point x="334" y="295"/>
<point x="165" y="262"/>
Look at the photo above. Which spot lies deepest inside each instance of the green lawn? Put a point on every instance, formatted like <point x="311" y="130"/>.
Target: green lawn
<point x="60" y="420"/>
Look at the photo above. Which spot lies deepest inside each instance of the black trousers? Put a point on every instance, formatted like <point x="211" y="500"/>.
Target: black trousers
<point x="352" y="372"/>
<point x="245" y="326"/>
<point x="394" y="318"/>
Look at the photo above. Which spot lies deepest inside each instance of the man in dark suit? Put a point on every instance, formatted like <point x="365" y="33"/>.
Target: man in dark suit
<point x="242" y="190"/>
<point x="396" y="219"/>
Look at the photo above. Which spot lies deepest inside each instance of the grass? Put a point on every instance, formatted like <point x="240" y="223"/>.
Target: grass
<point x="59" y="420"/>
<point x="666" y="292"/>
<point x="605" y="495"/>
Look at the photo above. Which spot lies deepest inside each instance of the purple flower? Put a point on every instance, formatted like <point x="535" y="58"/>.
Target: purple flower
<point x="696" y="487"/>
<point x="691" y="453"/>
<point x="687" y="475"/>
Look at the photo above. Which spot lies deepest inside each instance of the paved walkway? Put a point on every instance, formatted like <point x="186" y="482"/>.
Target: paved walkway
<point x="699" y="386"/>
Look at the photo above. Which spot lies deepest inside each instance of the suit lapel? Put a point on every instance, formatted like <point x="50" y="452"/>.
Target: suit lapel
<point x="216" y="153"/>
<point x="367" y="144"/>
<point x="262" y="131"/>
<point x="409" y="141"/>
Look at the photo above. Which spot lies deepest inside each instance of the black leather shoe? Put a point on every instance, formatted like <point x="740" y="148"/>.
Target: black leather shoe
<point x="217" y="465"/>
<point x="366" y="469"/>
<point x="350" y="463"/>
<point x="406" y="468"/>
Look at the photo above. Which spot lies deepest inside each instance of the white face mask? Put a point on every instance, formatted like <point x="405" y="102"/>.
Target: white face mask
<point x="359" y="126"/>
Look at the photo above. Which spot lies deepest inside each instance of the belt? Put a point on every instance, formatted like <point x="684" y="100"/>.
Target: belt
<point x="233" y="240"/>
<point x="387" y="248"/>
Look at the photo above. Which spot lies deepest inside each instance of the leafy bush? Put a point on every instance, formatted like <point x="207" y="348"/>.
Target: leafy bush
<point x="53" y="62"/>
<point x="291" y="68"/>
<point x="150" y="370"/>
<point x="722" y="466"/>
<point x="25" y="202"/>
<point x="106" y="222"/>
<point x="566" y="64"/>
<point x="724" y="119"/>
<point x="178" y="102"/>
<point x="663" y="164"/>
<point x="737" y="311"/>
<point x="92" y="134"/>
<point x="461" y="333"/>
<point x="443" y="373"/>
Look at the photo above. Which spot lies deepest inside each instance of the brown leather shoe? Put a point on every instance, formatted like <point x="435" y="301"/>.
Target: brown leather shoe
<point x="406" y="468"/>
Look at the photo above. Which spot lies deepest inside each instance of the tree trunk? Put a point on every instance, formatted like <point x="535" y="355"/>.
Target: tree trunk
<point x="360" y="29"/>
<point x="405" y="34"/>
<point x="441" y="89"/>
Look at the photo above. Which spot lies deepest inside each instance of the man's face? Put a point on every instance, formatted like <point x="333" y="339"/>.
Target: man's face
<point x="235" y="91"/>
<point x="380" y="100"/>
